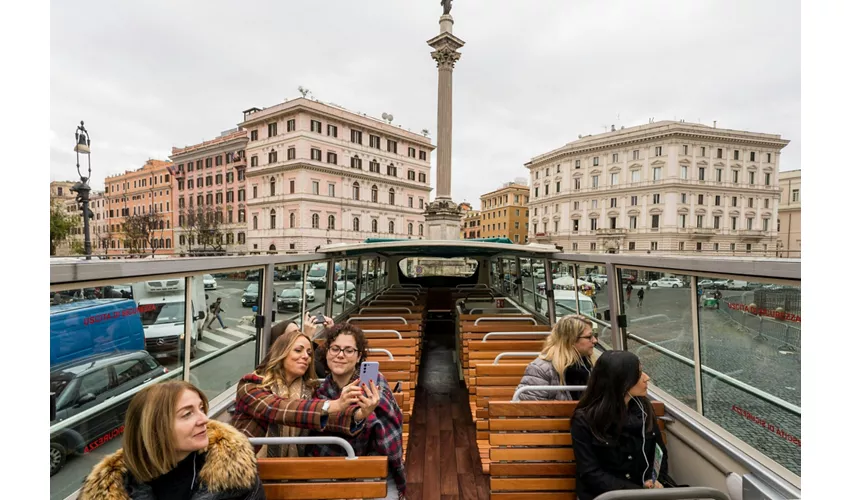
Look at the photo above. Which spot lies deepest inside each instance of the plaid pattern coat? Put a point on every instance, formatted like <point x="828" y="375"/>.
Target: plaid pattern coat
<point x="381" y="435"/>
<point x="257" y="407"/>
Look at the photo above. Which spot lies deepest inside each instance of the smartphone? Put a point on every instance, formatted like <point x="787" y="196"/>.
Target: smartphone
<point x="369" y="371"/>
<point x="320" y="319"/>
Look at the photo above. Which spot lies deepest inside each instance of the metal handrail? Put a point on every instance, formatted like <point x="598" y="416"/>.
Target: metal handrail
<point x="493" y="310"/>
<point x="403" y="286"/>
<point x="490" y="318"/>
<point x="505" y="334"/>
<point x="764" y="396"/>
<point x="690" y="493"/>
<point x="514" y="354"/>
<point x="384" y="331"/>
<point x="547" y="388"/>
<point x="466" y="287"/>
<point x="392" y="301"/>
<point x="349" y="450"/>
<point x="730" y="450"/>
<point x="385" y="351"/>
<point x="372" y="318"/>
<point x="383" y="308"/>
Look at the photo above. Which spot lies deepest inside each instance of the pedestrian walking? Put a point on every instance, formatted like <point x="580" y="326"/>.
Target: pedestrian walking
<point x="629" y="293"/>
<point x="215" y="313"/>
<point x="640" y="298"/>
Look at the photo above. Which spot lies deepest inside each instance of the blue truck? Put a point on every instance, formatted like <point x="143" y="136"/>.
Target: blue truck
<point x="94" y="326"/>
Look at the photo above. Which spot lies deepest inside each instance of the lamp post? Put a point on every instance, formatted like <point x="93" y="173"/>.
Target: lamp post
<point x="82" y="188"/>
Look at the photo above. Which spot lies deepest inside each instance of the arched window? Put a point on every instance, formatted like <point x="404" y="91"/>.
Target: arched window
<point x="421" y="229"/>
<point x="272" y="248"/>
<point x="331" y="222"/>
<point x="392" y="227"/>
<point x="167" y="242"/>
<point x="229" y="238"/>
<point x="292" y="219"/>
<point x="273" y="219"/>
<point x="271" y="186"/>
<point x="255" y="222"/>
<point x="161" y="243"/>
<point x="392" y="196"/>
<point x="374" y="194"/>
<point x="182" y="240"/>
<point x="315" y="221"/>
<point x="410" y="228"/>
<point x="355" y="191"/>
<point x="374" y="225"/>
<point x="355" y="224"/>
<point x="168" y="224"/>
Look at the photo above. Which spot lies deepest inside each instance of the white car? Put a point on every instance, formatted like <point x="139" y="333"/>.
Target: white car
<point x="209" y="282"/>
<point x="311" y="290"/>
<point x="599" y="279"/>
<point x="667" y="282"/>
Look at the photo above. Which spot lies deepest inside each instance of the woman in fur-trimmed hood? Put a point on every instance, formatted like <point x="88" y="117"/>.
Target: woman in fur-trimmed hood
<point x="199" y="459"/>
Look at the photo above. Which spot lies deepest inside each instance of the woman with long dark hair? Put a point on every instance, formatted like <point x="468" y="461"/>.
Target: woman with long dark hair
<point x="614" y="430"/>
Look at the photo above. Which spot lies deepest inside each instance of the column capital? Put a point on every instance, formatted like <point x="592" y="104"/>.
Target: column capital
<point x="445" y="57"/>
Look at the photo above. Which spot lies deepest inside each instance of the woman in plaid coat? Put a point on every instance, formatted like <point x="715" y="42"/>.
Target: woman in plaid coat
<point x="344" y="350"/>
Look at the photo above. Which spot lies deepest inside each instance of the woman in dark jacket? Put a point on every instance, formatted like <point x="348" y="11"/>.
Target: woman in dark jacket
<point x="615" y="434"/>
<point x="171" y="450"/>
<point x="564" y="360"/>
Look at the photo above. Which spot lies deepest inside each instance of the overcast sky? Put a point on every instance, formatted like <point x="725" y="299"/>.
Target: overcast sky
<point x="146" y="76"/>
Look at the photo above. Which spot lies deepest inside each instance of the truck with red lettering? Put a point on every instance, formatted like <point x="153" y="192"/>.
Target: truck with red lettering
<point x="94" y="326"/>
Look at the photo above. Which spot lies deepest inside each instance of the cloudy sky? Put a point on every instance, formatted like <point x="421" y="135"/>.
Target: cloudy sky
<point x="146" y="76"/>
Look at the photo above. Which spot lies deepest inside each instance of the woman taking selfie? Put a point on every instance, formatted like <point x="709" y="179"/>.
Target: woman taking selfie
<point x="277" y="398"/>
<point x="564" y="360"/>
<point x="171" y="450"/>
<point x="616" y="438"/>
<point x="310" y="328"/>
<point x="346" y="350"/>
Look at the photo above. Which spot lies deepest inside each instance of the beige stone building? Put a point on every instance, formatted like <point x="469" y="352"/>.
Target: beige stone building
<point x="318" y="173"/>
<point x="789" y="223"/>
<point x="667" y="187"/>
<point x="504" y="213"/>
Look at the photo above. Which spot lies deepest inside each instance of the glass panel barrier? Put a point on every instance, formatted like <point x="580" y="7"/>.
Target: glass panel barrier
<point x="289" y="288"/>
<point x="660" y="329"/>
<point x="345" y="288"/>
<point x="105" y="344"/>
<point x="750" y="354"/>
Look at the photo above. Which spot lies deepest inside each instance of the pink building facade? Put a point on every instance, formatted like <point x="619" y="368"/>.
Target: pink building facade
<point x="211" y="176"/>
<point x="318" y="174"/>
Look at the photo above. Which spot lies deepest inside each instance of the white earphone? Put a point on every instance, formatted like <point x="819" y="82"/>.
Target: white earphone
<point x="643" y="435"/>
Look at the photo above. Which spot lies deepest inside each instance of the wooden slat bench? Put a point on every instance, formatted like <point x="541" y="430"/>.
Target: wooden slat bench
<point x="531" y="453"/>
<point x="323" y="477"/>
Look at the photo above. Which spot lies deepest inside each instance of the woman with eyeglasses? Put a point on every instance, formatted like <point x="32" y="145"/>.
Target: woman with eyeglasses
<point x="616" y="437"/>
<point x="566" y="359"/>
<point x="345" y="349"/>
<point x="278" y="398"/>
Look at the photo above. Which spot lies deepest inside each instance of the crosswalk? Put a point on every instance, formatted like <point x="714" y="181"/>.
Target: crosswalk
<point x="215" y="338"/>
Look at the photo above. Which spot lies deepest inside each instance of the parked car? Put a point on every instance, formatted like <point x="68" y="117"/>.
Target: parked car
<point x="293" y="275"/>
<point x="318" y="276"/>
<point x="348" y="288"/>
<point x="737" y="285"/>
<point x="252" y="275"/>
<point x="289" y="300"/>
<point x="210" y="282"/>
<point x="706" y="284"/>
<point x="249" y="296"/>
<point x="599" y="279"/>
<point x="297" y="285"/>
<point x="667" y="282"/>
<point x="78" y="385"/>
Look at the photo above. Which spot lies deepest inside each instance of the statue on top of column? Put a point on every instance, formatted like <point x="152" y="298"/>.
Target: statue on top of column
<point x="447" y="6"/>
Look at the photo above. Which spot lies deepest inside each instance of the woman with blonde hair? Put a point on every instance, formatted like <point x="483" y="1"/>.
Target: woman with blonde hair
<point x="171" y="450"/>
<point x="287" y="376"/>
<point x="566" y="359"/>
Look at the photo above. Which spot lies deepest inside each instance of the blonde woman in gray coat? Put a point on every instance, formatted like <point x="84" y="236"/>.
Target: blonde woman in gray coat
<point x="566" y="359"/>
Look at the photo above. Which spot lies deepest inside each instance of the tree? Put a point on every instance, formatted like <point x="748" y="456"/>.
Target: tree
<point x="61" y="224"/>
<point x="203" y="224"/>
<point x="143" y="231"/>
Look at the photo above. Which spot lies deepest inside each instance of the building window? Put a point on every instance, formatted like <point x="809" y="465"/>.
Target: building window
<point x="578" y="163"/>
<point x="769" y="157"/>
<point x="576" y="185"/>
<point x="290" y="154"/>
<point x="374" y="225"/>
<point x="355" y="224"/>
<point x="767" y="203"/>
<point x="392" y="196"/>
<point x="593" y="224"/>
<point x="421" y="229"/>
<point x="750" y="202"/>
<point x="592" y="246"/>
<point x="752" y="177"/>
<point x="734" y="221"/>
<point x="614" y="178"/>
<point x="631" y="245"/>
<point x="316" y="126"/>
<point x="593" y="204"/>
<point x="594" y="181"/>
<point x="575" y="225"/>
<point x="699" y="199"/>
<point x="421" y="203"/>
<point x="546" y="190"/>
<point x="795" y="195"/>
<point x="254" y="190"/>
<point x="685" y="149"/>
<point x="716" y="222"/>
<point x="684" y="198"/>
<point x="255" y="222"/>
<point x="315" y="221"/>
<point x="749" y="247"/>
<point x="720" y="153"/>
<point x="272" y="129"/>
<point x="240" y="216"/>
<point x="315" y="187"/>
<point x="633" y="222"/>
<point x="633" y="201"/>
<point x="699" y="221"/>
<point x="655" y="221"/>
<point x="332" y="158"/>
<point x="735" y="154"/>
<point x="254" y="135"/>
<point x="422" y="177"/>
<point x="595" y="163"/>
<point x="391" y="170"/>
<point x="701" y="173"/>
<point x="613" y="203"/>
<point x="411" y="152"/>
<point x="218" y="198"/>
<point x="411" y="175"/>
<point x="684" y="172"/>
<point x="355" y="191"/>
<point x="636" y="154"/>
<point x="657" y="150"/>
<point x="331" y="222"/>
<point x="332" y="130"/>
<point x="315" y="154"/>
<point x="615" y="157"/>
<point x="357" y="136"/>
<point x="683" y="220"/>
<point x="392" y="146"/>
<point x="290" y="125"/>
<point x="765" y="224"/>
<point x="272" y="219"/>
<point x="749" y="223"/>
<point x="356" y="162"/>
<point x="681" y="246"/>
<point x="635" y="175"/>
<point x="331" y="190"/>
<point x="374" y="194"/>
<point x="374" y="141"/>
<point x="537" y="192"/>
<point x="273" y="156"/>
<point x="374" y="166"/>
<point x="423" y="156"/>
<point x="410" y="201"/>
<point x="656" y="173"/>
<point x="734" y="176"/>
<point x="699" y="246"/>
<point x="292" y="219"/>
<point x="291" y="186"/>
<point x="717" y="201"/>
<point x="767" y="179"/>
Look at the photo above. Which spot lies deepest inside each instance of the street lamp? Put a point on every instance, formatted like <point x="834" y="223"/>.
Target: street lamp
<point x="82" y="188"/>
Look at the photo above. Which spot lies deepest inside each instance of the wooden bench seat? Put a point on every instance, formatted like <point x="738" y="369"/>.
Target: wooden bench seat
<point x="323" y="477"/>
<point x="530" y="449"/>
